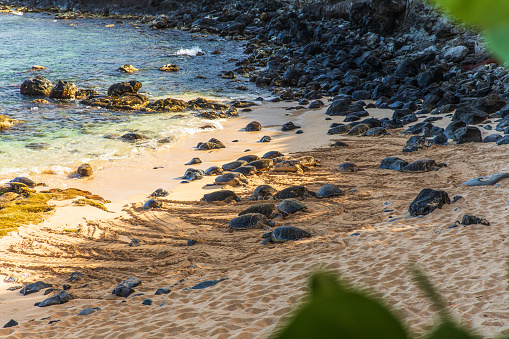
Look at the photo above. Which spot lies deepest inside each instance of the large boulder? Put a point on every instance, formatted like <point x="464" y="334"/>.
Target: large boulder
<point x="427" y="201"/>
<point x="36" y="86"/>
<point x="120" y="88"/>
<point x="468" y="134"/>
<point x="64" y="90"/>
<point x="469" y="115"/>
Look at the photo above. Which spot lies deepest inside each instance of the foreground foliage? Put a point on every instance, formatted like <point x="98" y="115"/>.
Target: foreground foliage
<point x="333" y="310"/>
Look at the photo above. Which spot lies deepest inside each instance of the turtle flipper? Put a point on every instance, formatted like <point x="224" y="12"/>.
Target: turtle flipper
<point x="266" y="241"/>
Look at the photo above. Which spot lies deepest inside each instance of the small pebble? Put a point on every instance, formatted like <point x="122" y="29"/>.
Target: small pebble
<point x="191" y="242"/>
<point x="147" y="302"/>
<point x="354" y="234"/>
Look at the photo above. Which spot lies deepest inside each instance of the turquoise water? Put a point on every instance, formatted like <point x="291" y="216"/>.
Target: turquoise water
<point x="88" y="53"/>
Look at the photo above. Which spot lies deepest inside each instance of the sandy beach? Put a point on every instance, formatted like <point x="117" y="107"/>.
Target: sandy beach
<point x="263" y="284"/>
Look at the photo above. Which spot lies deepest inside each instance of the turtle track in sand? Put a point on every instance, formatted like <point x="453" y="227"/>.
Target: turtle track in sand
<point x="266" y="281"/>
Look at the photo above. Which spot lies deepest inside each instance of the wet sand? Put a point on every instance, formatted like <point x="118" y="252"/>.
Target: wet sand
<point x="467" y="264"/>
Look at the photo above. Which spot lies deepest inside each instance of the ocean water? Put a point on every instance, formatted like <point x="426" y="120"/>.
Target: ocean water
<point x="56" y="137"/>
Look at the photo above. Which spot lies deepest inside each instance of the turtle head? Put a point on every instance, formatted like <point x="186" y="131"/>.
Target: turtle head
<point x="271" y="223"/>
<point x="266" y="235"/>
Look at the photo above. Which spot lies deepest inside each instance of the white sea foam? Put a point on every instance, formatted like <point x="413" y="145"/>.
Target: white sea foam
<point x="192" y="52"/>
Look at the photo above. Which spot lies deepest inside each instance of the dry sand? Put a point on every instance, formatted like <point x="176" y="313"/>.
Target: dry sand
<point x="264" y="283"/>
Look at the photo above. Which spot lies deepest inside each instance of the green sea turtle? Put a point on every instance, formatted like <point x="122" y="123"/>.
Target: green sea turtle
<point x="308" y="161"/>
<point x="329" y="190"/>
<point x="272" y="154"/>
<point x="376" y="132"/>
<point x="262" y="164"/>
<point x="222" y="195"/>
<point x="289" y="166"/>
<point x="293" y="192"/>
<point x="284" y="233"/>
<point x="193" y="174"/>
<point x="246" y="170"/>
<point x="24" y="180"/>
<point x="290" y="206"/>
<point x="152" y="203"/>
<point x="267" y="209"/>
<point x="359" y="129"/>
<point x="233" y="165"/>
<point x="424" y="165"/>
<point x="231" y="178"/>
<point x="250" y="220"/>
<point x="282" y="158"/>
<point x="348" y="167"/>
<point x="214" y="170"/>
<point x="263" y="192"/>
<point x="249" y="158"/>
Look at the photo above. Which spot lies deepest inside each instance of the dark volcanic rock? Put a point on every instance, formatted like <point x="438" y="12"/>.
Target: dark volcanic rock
<point x="34" y="287"/>
<point x="468" y="134"/>
<point x="11" y="323"/>
<point x="58" y="298"/>
<point x="36" y="86"/>
<point x="121" y="88"/>
<point x="64" y="90"/>
<point x="452" y="128"/>
<point x="469" y="115"/>
<point x="289" y="126"/>
<point x="253" y="126"/>
<point x="427" y="201"/>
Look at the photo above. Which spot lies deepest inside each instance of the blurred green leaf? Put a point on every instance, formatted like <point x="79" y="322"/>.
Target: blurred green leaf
<point x="448" y="330"/>
<point x="334" y="311"/>
<point x="482" y="13"/>
<point x="497" y="38"/>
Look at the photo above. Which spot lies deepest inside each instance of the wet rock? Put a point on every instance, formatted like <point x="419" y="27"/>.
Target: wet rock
<point x="24" y="180"/>
<point x="132" y="137"/>
<point x="289" y="126"/>
<point x="427" y="201"/>
<point x="121" y="88"/>
<point x="84" y="170"/>
<point x="88" y="311"/>
<point x="167" y="105"/>
<point x="34" y="287"/>
<point x="127" y="69"/>
<point x="127" y="101"/>
<point x="36" y="86"/>
<point x="440" y="139"/>
<point x="213" y="143"/>
<point x="147" y="302"/>
<point x="58" y="298"/>
<point x="452" y="128"/>
<point x="169" y="68"/>
<point x="63" y="90"/>
<point x="468" y="134"/>
<point x="253" y="126"/>
<point x="201" y="103"/>
<point x="492" y="138"/>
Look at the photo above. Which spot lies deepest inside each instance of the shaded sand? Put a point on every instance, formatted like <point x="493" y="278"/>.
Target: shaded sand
<point x="467" y="264"/>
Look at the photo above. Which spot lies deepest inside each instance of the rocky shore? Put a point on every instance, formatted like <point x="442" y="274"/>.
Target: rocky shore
<point x="383" y="145"/>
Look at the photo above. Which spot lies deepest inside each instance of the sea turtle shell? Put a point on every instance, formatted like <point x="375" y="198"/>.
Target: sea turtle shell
<point x="272" y="154"/>
<point x="376" y="132"/>
<point x="282" y="158"/>
<point x="292" y="205"/>
<point x="246" y="170"/>
<point x="284" y="233"/>
<point x="231" y="178"/>
<point x="222" y="195"/>
<point x="348" y="167"/>
<point x="293" y="192"/>
<point x="233" y="165"/>
<point x="249" y="158"/>
<point x="214" y="170"/>
<point x="329" y="190"/>
<point x="359" y="129"/>
<point x="193" y="174"/>
<point x="307" y="160"/>
<point x="250" y="220"/>
<point x="424" y="165"/>
<point x="263" y="192"/>
<point x="393" y="163"/>
<point x="289" y="166"/>
<point x="262" y="164"/>
<point x="194" y="161"/>
<point x="267" y="209"/>
<point x="152" y="203"/>
<point x="24" y="180"/>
